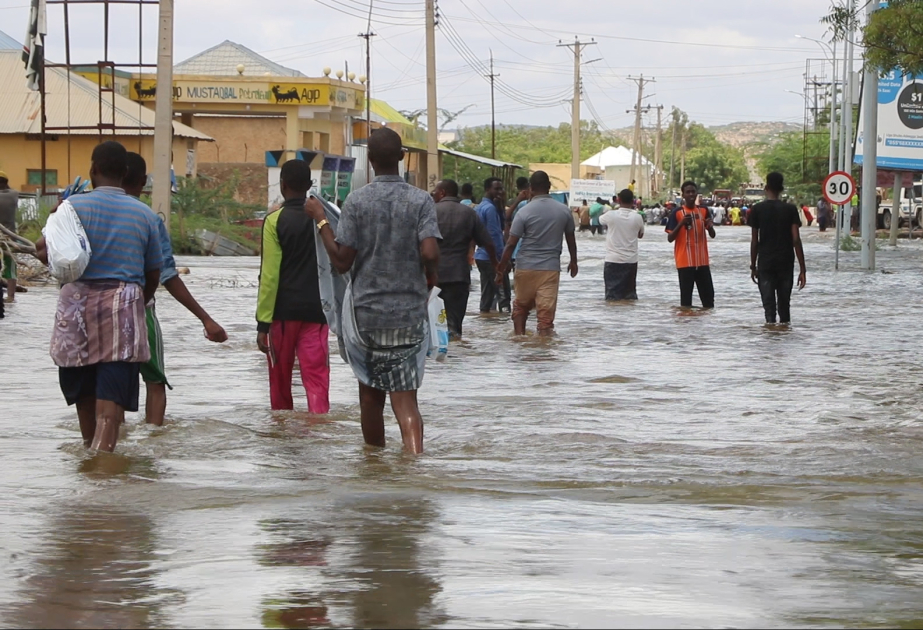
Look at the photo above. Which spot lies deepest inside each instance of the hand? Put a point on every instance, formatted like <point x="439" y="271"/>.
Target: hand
<point x="709" y="224"/>
<point x="572" y="268"/>
<point x="214" y="332"/>
<point x="315" y="209"/>
<point x="687" y="220"/>
<point x="262" y="342"/>
<point x="753" y="275"/>
<point x="802" y="279"/>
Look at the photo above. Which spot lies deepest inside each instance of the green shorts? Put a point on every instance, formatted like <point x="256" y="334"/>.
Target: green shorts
<point x="9" y="267"/>
<point x="153" y="371"/>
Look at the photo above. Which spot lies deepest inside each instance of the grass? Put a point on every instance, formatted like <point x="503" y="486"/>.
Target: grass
<point x="246" y="236"/>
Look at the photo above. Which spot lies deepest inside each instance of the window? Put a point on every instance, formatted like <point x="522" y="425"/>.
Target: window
<point x="34" y="177"/>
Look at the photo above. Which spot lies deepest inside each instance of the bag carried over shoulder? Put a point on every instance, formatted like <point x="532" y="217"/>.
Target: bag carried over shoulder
<point x="67" y="243"/>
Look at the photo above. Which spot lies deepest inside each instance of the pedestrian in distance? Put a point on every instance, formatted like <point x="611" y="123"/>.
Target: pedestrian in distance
<point x="387" y="239"/>
<point x="289" y="313"/>
<point x="9" y="205"/>
<point x="492" y="219"/>
<point x="775" y="242"/>
<point x="459" y="226"/>
<point x="542" y="225"/>
<point x="153" y="372"/>
<point x="625" y="226"/>
<point x="688" y="229"/>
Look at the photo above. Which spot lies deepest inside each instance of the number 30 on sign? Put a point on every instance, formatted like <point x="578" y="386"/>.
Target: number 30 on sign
<point x="839" y="187"/>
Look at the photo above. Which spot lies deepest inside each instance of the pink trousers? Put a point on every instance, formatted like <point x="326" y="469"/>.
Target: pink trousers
<point x="309" y="343"/>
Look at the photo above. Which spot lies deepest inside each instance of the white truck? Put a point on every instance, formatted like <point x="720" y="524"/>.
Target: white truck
<point x="911" y="208"/>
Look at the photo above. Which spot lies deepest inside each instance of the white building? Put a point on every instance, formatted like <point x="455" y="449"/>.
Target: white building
<point x="615" y="164"/>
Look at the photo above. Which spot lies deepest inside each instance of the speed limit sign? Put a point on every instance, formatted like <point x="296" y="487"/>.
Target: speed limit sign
<point x="839" y="187"/>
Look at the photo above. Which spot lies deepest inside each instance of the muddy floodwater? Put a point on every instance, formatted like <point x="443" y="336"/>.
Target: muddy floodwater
<point x="648" y="467"/>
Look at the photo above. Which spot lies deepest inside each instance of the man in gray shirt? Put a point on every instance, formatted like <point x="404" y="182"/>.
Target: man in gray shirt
<point x="459" y="225"/>
<point x="388" y="239"/>
<point x="9" y="204"/>
<point x="542" y="225"/>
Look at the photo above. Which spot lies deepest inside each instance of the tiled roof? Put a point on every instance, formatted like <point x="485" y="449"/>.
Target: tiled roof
<point x="223" y="59"/>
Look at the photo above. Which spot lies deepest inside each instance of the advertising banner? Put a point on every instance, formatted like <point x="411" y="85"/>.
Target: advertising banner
<point x="590" y="189"/>
<point x="900" y="123"/>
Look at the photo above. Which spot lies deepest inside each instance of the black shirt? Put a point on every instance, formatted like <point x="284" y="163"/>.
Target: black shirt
<point x="774" y="220"/>
<point x="459" y="225"/>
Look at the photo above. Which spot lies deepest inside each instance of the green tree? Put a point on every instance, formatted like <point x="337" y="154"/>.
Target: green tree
<point x="802" y="160"/>
<point x="893" y="38"/>
<point x="709" y="163"/>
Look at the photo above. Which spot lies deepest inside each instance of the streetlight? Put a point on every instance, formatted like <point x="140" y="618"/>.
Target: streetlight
<point x="833" y="147"/>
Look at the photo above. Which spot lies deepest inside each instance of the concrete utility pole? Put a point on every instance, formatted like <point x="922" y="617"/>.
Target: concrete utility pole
<point x="831" y="166"/>
<point x="636" y="143"/>
<point x="658" y="153"/>
<point x="367" y="36"/>
<point x="682" y="163"/>
<point x="432" y="127"/>
<point x="493" y="117"/>
<point x="848" y="135"/>
<point x="673" y="146"/>
<point x="869" y="203"/>
<point x="577" y="47"/>
<point x="163" y="116"/>
<point x="896" y="209"/>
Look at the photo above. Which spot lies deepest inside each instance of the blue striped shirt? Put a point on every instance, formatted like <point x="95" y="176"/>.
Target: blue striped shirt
<point x="168" y="270"/>
<point x="123" y="235"/>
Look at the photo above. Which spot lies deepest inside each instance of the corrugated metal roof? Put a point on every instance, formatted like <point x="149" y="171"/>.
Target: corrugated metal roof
<point x="223" y="59"/>
<point x="9" y="43"/>
<point x="384" y="113"/>
<point x="78" y="106"/>
<point x="478" y="158"/>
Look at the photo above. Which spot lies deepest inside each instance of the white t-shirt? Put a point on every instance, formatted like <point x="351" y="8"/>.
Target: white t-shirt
<point x="625" y="227"/>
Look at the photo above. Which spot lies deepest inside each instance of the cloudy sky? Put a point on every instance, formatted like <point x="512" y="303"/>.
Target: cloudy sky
<point x="719" y="60"/>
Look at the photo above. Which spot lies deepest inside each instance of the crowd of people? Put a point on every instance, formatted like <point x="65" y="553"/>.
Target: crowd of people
<point x="366" y="273"/>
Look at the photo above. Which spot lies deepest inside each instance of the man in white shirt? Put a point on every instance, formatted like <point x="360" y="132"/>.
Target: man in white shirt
<point x="625" y="227"/>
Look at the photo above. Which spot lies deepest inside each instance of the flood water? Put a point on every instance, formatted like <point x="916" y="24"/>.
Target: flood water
<point x="648" y="467"/>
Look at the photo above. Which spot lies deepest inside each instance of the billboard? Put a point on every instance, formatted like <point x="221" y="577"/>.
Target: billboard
<point x="590" y="189"/>
<point x="900" y="123"/>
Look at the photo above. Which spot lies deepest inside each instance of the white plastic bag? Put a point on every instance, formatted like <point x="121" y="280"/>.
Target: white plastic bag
<point x="438" y="328"/>
<point x="67" y="243"/>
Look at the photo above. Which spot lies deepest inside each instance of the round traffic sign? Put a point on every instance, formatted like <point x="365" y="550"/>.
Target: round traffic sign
<point x="839" y="187"/>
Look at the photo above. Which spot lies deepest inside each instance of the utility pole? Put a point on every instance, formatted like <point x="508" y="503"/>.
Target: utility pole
<point x="847" y="115"/>
<point x="682" y="167"/>
<point x="636" y="144"/>
<point x="577" y="46"/>
<point x="673" y="146"/>
<point x="831" y="166"/>
<point x="367" y="36"/>
<point x="493" y="119"/>
<point x="432" y="127"/>
<point x="869" y="214"/>
<point x="163" y="116"/>
<point x="658" y="153"/>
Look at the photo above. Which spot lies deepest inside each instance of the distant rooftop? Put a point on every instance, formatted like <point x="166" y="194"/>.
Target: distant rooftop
<point x="8" y="43"/>
<point x="223" y="59"/>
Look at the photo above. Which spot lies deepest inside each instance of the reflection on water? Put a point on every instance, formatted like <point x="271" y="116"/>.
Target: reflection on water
<point x="648" y="467"/>
<point x="95" y="571"/>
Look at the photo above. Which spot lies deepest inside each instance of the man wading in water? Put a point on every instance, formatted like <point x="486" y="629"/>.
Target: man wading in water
<point x="388" y="238"/>
<point x="774" y="243"/>
<point x="687" y="229"/>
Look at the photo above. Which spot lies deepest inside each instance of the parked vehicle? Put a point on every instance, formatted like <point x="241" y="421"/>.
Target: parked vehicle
<point x="911" y="208"/>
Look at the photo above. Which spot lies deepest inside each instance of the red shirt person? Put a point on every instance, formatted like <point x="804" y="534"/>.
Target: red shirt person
<point x="688" y="228"/>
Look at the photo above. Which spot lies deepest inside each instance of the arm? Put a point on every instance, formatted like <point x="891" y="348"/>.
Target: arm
<point x="504" y="265"/>
<point x="151" y="282"/>
<point x="270" y="265"/>
<point x="799" y="252"/>
<point x="177" y="288"/>
<point x="429" y="254"/>
<point x="572" y="249"/>
<point x="341" y="256"/>
<point x="41" y="250"/>
<point x="709" y="224"/>
<point x="754" y="250"/>
<point x="686" y="222"/>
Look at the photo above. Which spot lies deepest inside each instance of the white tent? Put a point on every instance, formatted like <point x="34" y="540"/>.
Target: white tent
<point x="614" y="156"/>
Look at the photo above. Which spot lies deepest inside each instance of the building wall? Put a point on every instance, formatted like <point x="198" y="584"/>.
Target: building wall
<point x="622" y="177"/>
<point x="19" y="155"/>
<point x="245" y="139"/>
<point x="560" y="173"/>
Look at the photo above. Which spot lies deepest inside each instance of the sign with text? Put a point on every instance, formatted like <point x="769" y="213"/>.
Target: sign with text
<point x="900" y="123"/>
<point x="590" y="189"/>
<point x="251" y="93"/>
<point x="839" y="187"/>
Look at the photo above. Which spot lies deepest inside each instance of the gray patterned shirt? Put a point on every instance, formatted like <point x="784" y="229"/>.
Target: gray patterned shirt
<point x="385" y="222"/>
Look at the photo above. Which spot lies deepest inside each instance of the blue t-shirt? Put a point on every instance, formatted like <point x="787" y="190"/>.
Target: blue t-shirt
<point x="168" y="271"/>
<point x="123" y="235"/>
<point x="487" y="212"/>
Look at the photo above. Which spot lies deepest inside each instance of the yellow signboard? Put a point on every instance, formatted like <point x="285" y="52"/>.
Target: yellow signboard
<point x="246" y="92"/>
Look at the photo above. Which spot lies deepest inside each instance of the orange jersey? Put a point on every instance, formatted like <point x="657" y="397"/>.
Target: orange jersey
<point x="691" y="245"/>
